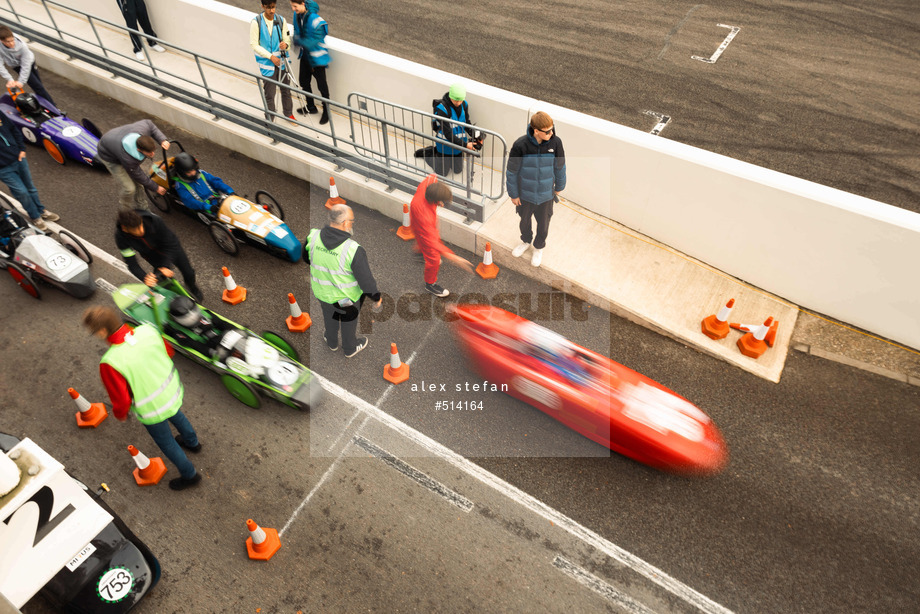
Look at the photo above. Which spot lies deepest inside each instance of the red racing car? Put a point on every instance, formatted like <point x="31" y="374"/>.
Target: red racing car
<point x="601" y="399"/>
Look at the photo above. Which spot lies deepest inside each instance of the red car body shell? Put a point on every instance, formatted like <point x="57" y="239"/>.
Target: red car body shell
<point x="607" y="402"/>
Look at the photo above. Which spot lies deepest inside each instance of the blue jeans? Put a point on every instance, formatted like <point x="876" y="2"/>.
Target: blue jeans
<point x="19" y="180"/>
<point x="163" y="437"/>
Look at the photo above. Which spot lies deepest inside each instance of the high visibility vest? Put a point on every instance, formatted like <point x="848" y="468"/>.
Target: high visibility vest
<point x="455" y="113"/>
<point x="271" y="41"/>
<point x="319" y="53"/>
<point x="330" y="270"/>
<point x="148" y="369"/>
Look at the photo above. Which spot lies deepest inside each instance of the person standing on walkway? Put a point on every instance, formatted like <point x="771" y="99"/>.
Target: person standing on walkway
<point x="14" y="172"/>
<point x="423" y="216"/>
<point x="17" y="55"/>
<point x="138" y="374"/>
<point x="340" y="278"/>
<point x="122" y="150"/>
<point x="135" y="12"/>
<point x="270" y="41"/>
<point x="535" y="175"/>
<point x="310" y="31"/>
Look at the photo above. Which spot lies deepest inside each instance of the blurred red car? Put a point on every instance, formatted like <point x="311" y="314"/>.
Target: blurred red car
<point x="601" y="399"/>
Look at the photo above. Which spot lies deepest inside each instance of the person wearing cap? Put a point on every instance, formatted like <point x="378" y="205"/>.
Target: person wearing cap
<point x="423" y="215"/>
<point x="121" y="150"/>
<point x="535" y="175"/>
<point x="453" y="106"/>
<point x="197" y="189"/>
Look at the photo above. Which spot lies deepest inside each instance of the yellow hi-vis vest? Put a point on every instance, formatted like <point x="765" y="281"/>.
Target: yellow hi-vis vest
<point x="330" y="270"/>
<point x="148" y="369"/>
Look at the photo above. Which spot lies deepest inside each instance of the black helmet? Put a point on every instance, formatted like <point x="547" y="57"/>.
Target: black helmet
<point x="184" y="311"/>
<point x="184" y="163"/>
<point x="27" y="103"/>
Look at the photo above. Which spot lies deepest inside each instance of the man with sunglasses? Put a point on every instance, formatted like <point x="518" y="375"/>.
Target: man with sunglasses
<point x="535" y="175"/>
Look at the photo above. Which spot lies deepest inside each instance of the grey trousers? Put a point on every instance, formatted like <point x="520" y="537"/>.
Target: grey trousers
<point x="130" y="195"/>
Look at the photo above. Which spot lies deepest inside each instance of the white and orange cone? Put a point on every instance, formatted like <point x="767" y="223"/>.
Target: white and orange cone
<point x="397" y="371"/>
<point x="716" y="325"/>
<point x="90" y="415"/>
<point x="753" y="345"/>
<point x="262" y="544"/>
<point x="234" y="294"/>
<point x="752" y="328"/>
<point x="487" y="269"/>
<point x="405" y="231"/>
<point x="149" y="471"/>
<point x="298" y="321"/>
<point x="334" y="198"/>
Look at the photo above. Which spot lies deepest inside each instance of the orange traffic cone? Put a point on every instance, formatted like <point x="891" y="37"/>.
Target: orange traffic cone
<point x="149" y="471"/>
<point x="405" y="231"/>
<point x="234" y="294"/>
<point x="262" y="544"/>
<point x="753" y="345"/>
<point x="487" y="269"/>
<point x="716" y="325"/>
<point x="752" y="328"/>
<point x="90" y="415"/>
<point x="397" y="371"/>
<point x="298" y="321"/>
<point x="334" y="198"/>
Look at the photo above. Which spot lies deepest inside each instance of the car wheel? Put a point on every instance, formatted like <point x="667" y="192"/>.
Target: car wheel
<point x="160" y="201"/>
<point x="241" y="390"/>
<point x="21" y="277"/>
<point x="281" y="344"/>
<point x="91" y="128"/>
<point x="224" y="239"/>
<point x="268" y="202"/>
<point x="54" y="151"/>
<point x="75" y="246"/>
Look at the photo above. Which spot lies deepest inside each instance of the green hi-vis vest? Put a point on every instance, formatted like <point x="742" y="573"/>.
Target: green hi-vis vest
<point x="144" y="363"/>
<point x="330" y="270"/>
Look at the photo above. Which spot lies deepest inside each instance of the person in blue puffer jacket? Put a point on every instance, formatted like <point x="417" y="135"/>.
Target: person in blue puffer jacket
<point x="535" y="175"/>
<point x="310" y="31"/>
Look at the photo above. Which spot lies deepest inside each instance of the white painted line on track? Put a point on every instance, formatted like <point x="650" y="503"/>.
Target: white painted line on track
<point x="599" y="586"/>
<point x="589" y="537"/>
<point x="414" y="474"/>
<point x="663" y="120"/>
<point x="728" y="39"/>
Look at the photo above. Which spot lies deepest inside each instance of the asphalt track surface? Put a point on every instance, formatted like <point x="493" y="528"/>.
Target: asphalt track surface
<point x="823" y="90"/>
<point x="816" y="512"/>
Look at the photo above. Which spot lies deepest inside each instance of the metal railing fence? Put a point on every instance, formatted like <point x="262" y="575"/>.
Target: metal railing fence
<point x="344" y="150"/>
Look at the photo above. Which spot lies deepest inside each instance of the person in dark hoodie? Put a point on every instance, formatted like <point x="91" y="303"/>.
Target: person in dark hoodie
<point x="452" y="106"/>
<point x="340" y="278"/>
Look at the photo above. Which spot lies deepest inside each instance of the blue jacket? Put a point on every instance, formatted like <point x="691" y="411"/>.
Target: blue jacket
<point x="209" y="190"/>
<point x="535" y="171"/>
<point x="451" y="132"/>
<point x="310" y="31"/>
<point x="11" y="143"/>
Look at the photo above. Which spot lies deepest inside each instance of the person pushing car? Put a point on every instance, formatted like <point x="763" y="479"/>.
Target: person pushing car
<point x="121" y="150"/>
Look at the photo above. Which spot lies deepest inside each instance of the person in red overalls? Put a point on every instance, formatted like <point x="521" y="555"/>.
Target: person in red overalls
<point x="423" y="217"/>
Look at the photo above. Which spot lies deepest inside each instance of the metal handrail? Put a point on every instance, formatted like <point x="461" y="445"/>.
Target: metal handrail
<point x="344" y="152"/>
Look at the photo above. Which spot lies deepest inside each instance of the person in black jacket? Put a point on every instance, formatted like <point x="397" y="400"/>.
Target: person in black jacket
<point x="142" y="232"/>
<point x="14" y="172"/>
<point x="452" y="106"/>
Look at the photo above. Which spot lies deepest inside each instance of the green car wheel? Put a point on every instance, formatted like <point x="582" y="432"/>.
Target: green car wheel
<point x="242" y="391"/>
<point x="283" y="346"/>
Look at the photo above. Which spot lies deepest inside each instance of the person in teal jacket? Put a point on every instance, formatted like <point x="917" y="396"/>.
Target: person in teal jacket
<point x="310" y="31"/>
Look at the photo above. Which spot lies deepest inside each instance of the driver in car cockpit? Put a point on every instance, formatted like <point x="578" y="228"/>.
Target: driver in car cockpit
<point x="195" y="330"/>
<point x="197" y="189"/>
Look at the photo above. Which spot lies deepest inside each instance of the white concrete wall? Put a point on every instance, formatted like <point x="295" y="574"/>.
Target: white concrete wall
<point x="829" y="251"/>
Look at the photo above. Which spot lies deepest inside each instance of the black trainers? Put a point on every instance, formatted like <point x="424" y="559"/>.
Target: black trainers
<point x="437" y="290"/>
<point x="362" y="343"/>
<point x="311" y="109"/>
<point x="183" y="483"/>
<point x="199" y="297"/>
<point x="181" y="442"/>
<point x="329" y="346"/>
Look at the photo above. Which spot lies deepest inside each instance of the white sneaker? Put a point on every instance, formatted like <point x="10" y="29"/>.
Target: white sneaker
<point x="158" y="48"/>
<point x="520" y="249"/>
<point x="140" y="56"/>
<point x="537" y="257"/>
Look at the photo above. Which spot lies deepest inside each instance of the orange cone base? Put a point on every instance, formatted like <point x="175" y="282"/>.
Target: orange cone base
<point x="397" y="375"/>
<point x="267" y="548"/>
<point x="405" y="233"/>
<point x="714" y="329"/>
<point x="771" y="334"/>
<point x="92" y="417"/>
<point x="751" y="347"/>
<point x="152" y="474"/>
<point x="487" y="271"/>
<point x="236" y="297"/>
<point x="331" y="202"/>
<point x="299" y="325"/>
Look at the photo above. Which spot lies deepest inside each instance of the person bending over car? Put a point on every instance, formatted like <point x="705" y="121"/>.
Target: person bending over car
<point x="121" y="150"/>
<point x="141" y="232"/>
<point x="197" y="189"/>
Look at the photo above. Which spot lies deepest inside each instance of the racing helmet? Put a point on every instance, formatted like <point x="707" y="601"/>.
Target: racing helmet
<point x="184" y="311"/>
<point x="185" y="163"/>
<point x="28" y="104"/>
